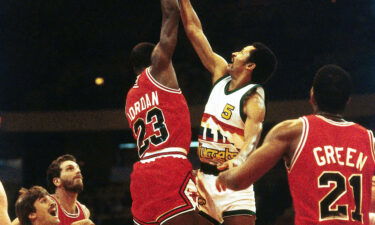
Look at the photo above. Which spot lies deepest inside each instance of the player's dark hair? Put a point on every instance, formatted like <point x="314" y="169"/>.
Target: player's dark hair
<point x="25" y="203"/>
<point x="54" y="170"/>
<point x="265" y="61"/>
<point x="332" y="88"/>
<point x="140" y="56"/>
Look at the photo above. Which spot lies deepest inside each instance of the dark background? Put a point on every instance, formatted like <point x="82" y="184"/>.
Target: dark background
<point x="51" y="52"/>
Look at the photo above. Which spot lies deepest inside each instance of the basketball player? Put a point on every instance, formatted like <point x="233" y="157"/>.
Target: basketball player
<point x="330" y="161"/>
<point x="161" y="186"/>
<point x="233" y="116"/>
<point x="65" y="178"/>
<point x="34" y="206"/>
<point x="4" y="217"/>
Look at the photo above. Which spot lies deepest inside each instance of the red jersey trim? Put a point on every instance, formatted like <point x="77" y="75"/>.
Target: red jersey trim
<point x="159" y="85"/>
<point x="371" y="136"/>
<point x="225" y="126"/>
<point x="136" y="82"/>
<point x="301" y="144"/>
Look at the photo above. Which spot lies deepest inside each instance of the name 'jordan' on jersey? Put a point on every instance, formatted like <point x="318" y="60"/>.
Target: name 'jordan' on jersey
<point x="331" y="172"/>
<point x="158" y="116"/>
<point x="221" y="133"/>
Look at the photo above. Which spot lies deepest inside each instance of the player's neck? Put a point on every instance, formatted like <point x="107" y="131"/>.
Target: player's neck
<point x="67" y="200"/>
<point x="332" y="116"/>
<point x="239" y="81"/>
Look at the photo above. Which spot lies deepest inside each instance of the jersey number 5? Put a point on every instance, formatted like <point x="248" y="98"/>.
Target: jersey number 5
<point x="227" y="112"/>
<point x="326" y="209"/>
<point x="159" y="127"/>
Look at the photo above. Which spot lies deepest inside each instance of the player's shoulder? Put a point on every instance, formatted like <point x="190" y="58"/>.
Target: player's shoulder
<point x="288" y="129"/>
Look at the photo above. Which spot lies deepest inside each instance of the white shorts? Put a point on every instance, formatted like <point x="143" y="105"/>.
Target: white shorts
<point x="372" y="218"/>
<point x="227" y="203"/>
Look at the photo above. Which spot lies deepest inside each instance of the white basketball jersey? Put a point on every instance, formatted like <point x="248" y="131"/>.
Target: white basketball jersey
<point x="221" y="134"/>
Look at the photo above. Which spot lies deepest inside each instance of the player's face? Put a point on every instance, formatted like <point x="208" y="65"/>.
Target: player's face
<point x="71" y="177"/>
<point x="239" y="59"/>
<point x="45" y="211"/>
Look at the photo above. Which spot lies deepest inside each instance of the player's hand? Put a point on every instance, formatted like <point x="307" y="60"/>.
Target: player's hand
<point x="227" y="165"/>
<point x="220" y="184"/>
<point x="83" y="222"/>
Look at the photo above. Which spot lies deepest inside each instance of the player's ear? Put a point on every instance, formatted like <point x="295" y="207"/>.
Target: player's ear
<point x="32" y="216"/>
<point x="251" y="66"/>
<point x="56" y="181"/>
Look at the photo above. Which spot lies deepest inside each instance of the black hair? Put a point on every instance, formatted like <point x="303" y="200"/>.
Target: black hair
<point x="25" y="203"/>
<point x="332" y="88"/>
<point x="54" y="169"/>
<point x="265" y="61"/>
<point x="140" y="56"/>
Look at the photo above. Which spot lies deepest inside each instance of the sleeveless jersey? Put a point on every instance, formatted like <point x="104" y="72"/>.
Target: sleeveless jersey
<point x="68" y="218"/>
<point x="330" y="173"/>
<point x="221" y="134"/>
<point x="159" y="118"/>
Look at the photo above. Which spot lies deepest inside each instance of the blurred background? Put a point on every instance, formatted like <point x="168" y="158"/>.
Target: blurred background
<point x="64" y="75"/>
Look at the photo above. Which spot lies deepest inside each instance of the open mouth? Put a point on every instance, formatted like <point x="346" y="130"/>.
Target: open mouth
<point x="53" y="211"/>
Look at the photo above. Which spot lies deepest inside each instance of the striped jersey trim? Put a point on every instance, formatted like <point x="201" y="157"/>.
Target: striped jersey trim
<point x="224" y="126"/>
<point x="166" y="152"/>
<point x="159" y="85"/>
<point x="152" y="159"/>
<point x="70" y="215"/>
<point x="301" y="144"/>
<point x="136" y="82"/>
<point x="372" y="143"/>
<point x="242" y="212"/>
<point x="335" y="123"/>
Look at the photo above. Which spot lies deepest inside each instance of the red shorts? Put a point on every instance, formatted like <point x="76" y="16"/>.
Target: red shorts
<point x="161" y="189"/>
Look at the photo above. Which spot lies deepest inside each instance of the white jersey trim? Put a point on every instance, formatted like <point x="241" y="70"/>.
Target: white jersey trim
<point x="372" y="143"/>
<point x="70" y="215"/>
<point x="188" y="210"/>
<point x="335" y="123"/>
<point x="167" y="152"/>
<point x="301" y="144"/>
<point x="159" y="85"/>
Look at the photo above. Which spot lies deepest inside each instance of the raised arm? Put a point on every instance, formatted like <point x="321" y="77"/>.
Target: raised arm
<point x="277" y="144"/>
<point x="213" y="62"/>
<point x="161" y="59"/>
<point x="4" y="217"/>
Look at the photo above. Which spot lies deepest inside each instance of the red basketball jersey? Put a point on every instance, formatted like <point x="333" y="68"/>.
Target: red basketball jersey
<point x="68" y="218"/>
<point x="330" y="173"/>
<point x="158" y="116"/>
